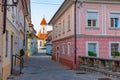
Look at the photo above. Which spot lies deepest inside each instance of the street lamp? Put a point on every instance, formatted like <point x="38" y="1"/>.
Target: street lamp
<point x="30" y="25"/>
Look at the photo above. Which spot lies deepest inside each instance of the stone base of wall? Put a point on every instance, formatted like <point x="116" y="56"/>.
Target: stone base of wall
<point x="6" y="72"/>
<point x="66" y="62"/>
<point x="53" y="57"/>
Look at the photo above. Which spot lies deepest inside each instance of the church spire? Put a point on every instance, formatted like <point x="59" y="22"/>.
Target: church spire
<point x="43" y="22"/>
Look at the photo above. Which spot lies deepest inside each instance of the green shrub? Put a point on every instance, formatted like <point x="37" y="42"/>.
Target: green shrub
<point x="117" y="54"/>
<point x="22" y="52"/>
<point x="90" y="53"/>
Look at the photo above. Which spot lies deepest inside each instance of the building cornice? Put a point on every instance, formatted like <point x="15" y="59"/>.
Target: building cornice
<point x="117" y="2"/>
<point x="87" y="36"/>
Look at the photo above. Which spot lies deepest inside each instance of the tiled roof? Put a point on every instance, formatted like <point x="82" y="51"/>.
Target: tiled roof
<point x="43" y="22"/>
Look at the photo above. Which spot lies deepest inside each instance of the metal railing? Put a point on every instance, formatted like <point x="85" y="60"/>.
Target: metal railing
<point x="14" y="62"/>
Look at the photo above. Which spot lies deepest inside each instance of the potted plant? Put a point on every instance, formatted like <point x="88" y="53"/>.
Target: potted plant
<point x="116" y="54"/>
<point x="22" y="52"/>
<point x="90" y="53"/>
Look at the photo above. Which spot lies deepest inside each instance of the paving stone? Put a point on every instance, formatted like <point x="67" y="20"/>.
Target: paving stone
<point x="41" y="67"/>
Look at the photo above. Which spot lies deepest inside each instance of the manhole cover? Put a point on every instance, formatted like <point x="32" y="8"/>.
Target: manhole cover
<point x="104" y="79"/>
<point x="81" y="73"/>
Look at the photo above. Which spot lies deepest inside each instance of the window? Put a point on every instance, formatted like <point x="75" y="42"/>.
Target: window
<point x="68" y="22"/>
<point x="6" y="44"/>
<point x="63" y="48"/>
<point x="92" y="19"/>
<point x="13" y="13"/>
<point x="59" y="28"/>
<point x="92" y="47"/>
<point x="63" y="26"/>
<point x="56" y="32"/>
<point x="69" y="46"/>
<point x="114" y="47"/>
<point x="114" y="20"/>
<point x="43" y="30"/>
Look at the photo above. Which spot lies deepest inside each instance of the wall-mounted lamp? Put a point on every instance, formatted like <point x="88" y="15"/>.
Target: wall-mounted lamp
<point x="30" y="25"/>
<point x="14" y="3"/>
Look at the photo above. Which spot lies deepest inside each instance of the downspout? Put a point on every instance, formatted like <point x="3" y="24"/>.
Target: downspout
<point x="24" y="31"/>
<point x="24" y="28"/>
<point x="24" y="23"/>
<point x="4" y="16"/>
<point x="75" y="40"/>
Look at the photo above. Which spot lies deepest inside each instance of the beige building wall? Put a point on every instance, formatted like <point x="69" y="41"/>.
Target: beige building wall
<point x="12" y="29"/>
<point x="1" y="30"/>
<point x="15" y="28"/>
<point x="7" y="59"/>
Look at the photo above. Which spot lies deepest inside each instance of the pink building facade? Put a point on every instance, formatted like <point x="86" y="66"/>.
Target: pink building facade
<point x="84" y="26"/>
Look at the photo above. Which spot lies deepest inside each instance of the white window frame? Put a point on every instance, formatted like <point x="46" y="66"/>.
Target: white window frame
<point x="63" y="48"/>
<point x="96" y="42"/>
<point x="111" y="42"/>
<point x="114" y="12"/>
<point x="7" y="43"/>
<point x="69" y="48"/>
<point x="68" y="22"/>
<point x="59" y="28"/>
<point x="97" y="21"/>
<point x="63" y="25"/>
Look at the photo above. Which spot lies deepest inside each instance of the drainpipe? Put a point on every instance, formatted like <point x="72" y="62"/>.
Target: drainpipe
<point x="4" y="16"/>
<point x="24" y="24"/>
<point x="24" y="30"/>
<point x="75" y="40"/>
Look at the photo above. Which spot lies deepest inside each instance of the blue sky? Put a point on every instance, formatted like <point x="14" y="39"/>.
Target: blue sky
<point x="43" y="8"/>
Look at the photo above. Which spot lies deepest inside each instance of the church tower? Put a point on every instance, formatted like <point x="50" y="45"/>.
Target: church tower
<point x="42" y="33"/>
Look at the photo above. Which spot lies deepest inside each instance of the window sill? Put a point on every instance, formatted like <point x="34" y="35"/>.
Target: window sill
<point x="92" y="28"/>
<point x="114" y="28"/>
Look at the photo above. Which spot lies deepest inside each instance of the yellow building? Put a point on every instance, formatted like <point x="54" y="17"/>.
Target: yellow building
<point x="1" y="32"/>
<point x="16" y="18"/>
<point x="32" y="40"/>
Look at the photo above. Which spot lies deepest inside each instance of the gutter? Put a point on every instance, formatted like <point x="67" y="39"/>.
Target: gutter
<point x="75" y="40"/>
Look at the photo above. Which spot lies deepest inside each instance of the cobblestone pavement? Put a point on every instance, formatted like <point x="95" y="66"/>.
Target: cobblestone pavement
<point x="41" y="67"/>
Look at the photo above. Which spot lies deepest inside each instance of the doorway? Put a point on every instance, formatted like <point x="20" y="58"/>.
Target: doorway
<point x="57" y="54"/>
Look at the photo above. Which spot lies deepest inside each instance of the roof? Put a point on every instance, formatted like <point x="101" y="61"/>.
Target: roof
<point x="66" y="4"/>
<point x="41" y="36"/>
<point x="43" y="22"/>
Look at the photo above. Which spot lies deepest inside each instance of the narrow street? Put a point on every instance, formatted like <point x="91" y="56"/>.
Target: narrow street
<point x="41" y="67"/>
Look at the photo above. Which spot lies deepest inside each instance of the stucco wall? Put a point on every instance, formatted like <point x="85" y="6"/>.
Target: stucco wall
<point x="103" y="19"/>
<point x="64" y="16"/>
<point x="103" y="45"/>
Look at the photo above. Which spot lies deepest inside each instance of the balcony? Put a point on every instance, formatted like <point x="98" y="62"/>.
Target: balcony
<point x="108" y="66"/>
